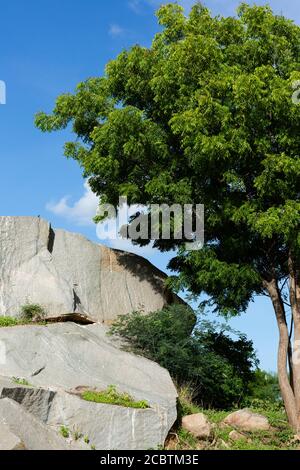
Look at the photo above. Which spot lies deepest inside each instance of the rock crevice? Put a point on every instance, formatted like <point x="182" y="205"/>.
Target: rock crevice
<point x="66" y="273"/>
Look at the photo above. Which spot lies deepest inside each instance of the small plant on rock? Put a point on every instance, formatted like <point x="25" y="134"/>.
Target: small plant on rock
<point x="32" y="313"/>
<point x="8" y="321"/>
<point x="20" y="381"/>
<point x="65" y="432"/>
<point x="111" y="396"/>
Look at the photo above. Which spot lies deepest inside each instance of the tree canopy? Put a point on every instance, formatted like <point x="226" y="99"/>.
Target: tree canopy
<point x="206" y="115"/>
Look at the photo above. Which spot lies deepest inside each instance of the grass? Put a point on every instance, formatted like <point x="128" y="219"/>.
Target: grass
<point x="20" y="381"/>
<point x="279" y="437"/>
<point x="111" y="396"/>
<point x="8" y="321"/>
<point x="65" y="432"/>
<point x="32" y="312"/>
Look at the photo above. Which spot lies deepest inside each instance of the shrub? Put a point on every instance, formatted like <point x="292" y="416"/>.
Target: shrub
<point x="65" y="432"/>
<point x="111" y="396"/>
<point x="8" y="321"/>
<point x="219" y="368"/>
<point x="32" y="312"/>
<point x="19" y="381"/>
<point x="265" y="387"/>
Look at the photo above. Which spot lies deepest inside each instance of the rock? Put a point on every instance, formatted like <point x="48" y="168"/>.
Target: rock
<point x="224" y="444"/>
<point x="111" y="427"/>
<point x="67" y="274"/>
<point x="61" y="357"/>
<point x="245" y="420"/>
<point x="8" y="440"/>
<point x="30" y="431"/>
<point x="35" y="400"/>
<point x="198" y="425"/>
<point x="237" y="436"/>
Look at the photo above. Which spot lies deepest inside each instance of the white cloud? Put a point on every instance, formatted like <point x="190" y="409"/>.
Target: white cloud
<point x="135" y="5"/>
<point x="81" y="212"/>
<point x="115" y="30"/>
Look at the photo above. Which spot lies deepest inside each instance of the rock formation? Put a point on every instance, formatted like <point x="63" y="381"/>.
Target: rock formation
<point x="57" y="360"/>
<point x="66" y="273"/>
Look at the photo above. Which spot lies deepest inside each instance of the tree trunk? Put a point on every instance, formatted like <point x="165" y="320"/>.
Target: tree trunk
<point x="284" y="341"/>
<point x="295" y="307"/>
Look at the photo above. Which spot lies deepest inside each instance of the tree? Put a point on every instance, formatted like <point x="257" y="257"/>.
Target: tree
<point x="206" y="115"/>
<point x="218" y="368"/>
<point x="264" y="387"/>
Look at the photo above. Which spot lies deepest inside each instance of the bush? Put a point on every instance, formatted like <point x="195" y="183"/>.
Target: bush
<point x="8" y="321"/>
<point x="218" y="368"/>
<point x="32" y="312"/>
<point x="65" y="432"/>
<point x="265" y="388"/>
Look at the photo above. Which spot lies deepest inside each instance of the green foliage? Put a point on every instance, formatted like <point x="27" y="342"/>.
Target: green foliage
<point x="20" y="381"/>
<point x="264" y="388"/>
<point x="65" y="432"/>
<point x="218" y="368"/>
<point x="8" y="321"/>
<point x="32" y="312"/>
<point x="205" y="114"/>
<point x="112" y="397"/>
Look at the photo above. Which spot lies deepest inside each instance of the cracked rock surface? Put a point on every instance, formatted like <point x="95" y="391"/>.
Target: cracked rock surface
<point x="57" y="359"/>
<point x="66" y="273"/>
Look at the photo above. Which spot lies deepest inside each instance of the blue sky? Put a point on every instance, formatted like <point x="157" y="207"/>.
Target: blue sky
<point x="47" y="47"/>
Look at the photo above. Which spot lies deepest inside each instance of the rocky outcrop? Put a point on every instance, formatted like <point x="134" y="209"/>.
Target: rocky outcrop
<point x="66" y="274"/>
<point x="29" y="432"/>
<point x="57" y="359"/>
<point x="8" y="440"/>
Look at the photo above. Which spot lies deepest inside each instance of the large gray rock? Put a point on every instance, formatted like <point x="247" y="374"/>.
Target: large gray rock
<point x="28" y="430"/>
<point x="66" y="273"/>
<point x="8" y="440"/>
<point x="59" y="358"/>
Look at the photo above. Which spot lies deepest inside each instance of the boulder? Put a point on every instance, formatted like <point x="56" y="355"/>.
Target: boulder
<point x="246" y="420"/>
<point x="198" y="425"/>
<point x="67" y="274"/>
<point x="8" y="440"/>
<point x="58" y="358"/>
<point x="29" y="430"/>
<point x="237" y="436"/>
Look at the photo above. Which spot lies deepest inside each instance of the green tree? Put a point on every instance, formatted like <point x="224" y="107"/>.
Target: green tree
<point x="264" y="387"/>
<point x="206" y="115"/>
<point x="218" y="368"/>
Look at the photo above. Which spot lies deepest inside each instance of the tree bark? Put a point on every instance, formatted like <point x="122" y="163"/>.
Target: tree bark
<point x="283" y="349"/>
<point x="295" y="306"/>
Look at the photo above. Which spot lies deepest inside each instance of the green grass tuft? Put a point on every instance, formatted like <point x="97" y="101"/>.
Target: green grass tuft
<point x="65" y="432"/>
<point x="111" y="396"/>
<point x="20" y="381"/>
<point x="32" y="312"/>
<point x="8" y="321"/>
